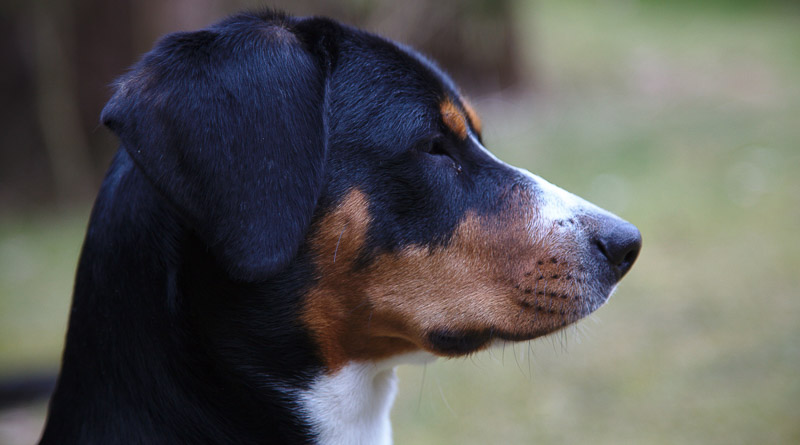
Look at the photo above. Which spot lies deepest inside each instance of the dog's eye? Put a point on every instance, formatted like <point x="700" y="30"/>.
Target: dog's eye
<point x="438" y="147"/>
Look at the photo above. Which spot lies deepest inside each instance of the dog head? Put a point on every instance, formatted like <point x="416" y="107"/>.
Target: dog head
<point x="284" y="140"/>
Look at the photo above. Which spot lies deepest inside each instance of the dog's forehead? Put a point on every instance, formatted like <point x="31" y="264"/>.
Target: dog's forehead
<point x="390" y="95"/>
<point x="452" y="102"/>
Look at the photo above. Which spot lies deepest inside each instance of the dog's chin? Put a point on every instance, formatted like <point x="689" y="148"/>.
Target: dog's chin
<point x="459" y="343"/>
<point x="449" y="342"/>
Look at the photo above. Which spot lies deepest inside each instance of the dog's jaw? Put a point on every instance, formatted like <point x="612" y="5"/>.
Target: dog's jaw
<point x="352" y="406"/>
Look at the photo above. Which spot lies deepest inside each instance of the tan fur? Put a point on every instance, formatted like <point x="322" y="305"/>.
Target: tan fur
<point x="453" y="118"/>
<point x="491" y="276"/>
<point x="474" y="119"/>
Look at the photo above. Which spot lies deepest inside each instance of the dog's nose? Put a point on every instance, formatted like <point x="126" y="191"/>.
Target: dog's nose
<point x="619" y="243"/>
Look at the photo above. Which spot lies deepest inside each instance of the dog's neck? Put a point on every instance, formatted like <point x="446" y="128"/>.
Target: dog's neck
<point x="174" y="353"/>
<point x="352" y="405"/>
<point x="210" y="363"/>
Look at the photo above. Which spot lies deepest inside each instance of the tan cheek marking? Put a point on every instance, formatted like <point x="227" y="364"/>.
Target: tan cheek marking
<point x="487" y="278"/>
<point x="473" y="116"/>
<point x="452" y="287"/>
<point x="491" y="276"/>
<point x="453" y="118"/>
<point x="336" y="310"/>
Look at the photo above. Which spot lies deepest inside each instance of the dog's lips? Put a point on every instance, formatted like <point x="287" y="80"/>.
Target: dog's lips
<point x="459" y="343"/>
<point x="541" y="321"/>
<point x="452" y="343"/>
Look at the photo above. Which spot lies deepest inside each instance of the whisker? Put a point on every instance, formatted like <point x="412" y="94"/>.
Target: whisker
<point x="337" y="243"/>
<point x="422" y="386"/>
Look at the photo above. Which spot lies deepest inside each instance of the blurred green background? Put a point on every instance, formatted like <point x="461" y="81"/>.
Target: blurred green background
<point x="682" y="117"/>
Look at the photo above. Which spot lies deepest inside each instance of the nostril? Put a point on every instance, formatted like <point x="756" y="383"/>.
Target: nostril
<point x="602" y="248"/>
<point x="621" y="246"/>
<point x="630" y="257"/>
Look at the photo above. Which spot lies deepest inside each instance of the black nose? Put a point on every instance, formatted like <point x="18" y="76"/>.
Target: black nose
<point x="620" y="244"/>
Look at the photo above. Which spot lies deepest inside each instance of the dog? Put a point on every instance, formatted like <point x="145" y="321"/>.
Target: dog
<point x="296" y="207"/>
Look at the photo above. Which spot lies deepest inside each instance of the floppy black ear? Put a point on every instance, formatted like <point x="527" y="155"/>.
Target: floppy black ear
<point x="228" y="124"/>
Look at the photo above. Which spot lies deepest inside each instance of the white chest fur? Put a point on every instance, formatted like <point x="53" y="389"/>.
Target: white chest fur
<point x="351" y="407"/>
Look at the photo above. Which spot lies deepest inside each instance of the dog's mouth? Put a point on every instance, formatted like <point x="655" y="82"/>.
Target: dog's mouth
<point x="457" y="343"/>
<point x="541" y="320"/>
<point x="536" y="305"/>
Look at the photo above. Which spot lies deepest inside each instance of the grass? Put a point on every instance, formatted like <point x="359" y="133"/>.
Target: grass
<point x="685" y="122"/>
<point x="38" y="254"/>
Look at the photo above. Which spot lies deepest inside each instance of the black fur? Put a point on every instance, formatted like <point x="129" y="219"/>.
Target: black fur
<point x="227" y="104"/>
<point x="234" y="141"/>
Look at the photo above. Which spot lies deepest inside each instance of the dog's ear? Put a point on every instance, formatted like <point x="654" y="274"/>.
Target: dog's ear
<point x="228" y="123"/>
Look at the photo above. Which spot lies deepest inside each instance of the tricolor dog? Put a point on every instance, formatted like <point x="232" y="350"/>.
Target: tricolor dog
<point x="296" y="207"/>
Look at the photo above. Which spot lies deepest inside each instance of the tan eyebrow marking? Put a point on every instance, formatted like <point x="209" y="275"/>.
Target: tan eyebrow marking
<point x="472" y="115"/>
<point x="453" y="118"/>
